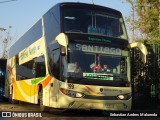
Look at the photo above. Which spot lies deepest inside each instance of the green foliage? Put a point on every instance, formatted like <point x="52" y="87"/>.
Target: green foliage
<point x="146" y="18"/>
<point x="148" y="22"/>
<point x="148" y="40"/>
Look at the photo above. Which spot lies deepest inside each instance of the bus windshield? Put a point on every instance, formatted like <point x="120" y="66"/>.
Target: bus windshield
<point x="96" y="62"/>
<point x="93" y="22"/>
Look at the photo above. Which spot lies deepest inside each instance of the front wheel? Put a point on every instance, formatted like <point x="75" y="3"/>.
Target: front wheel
<point x="42" y="107"/>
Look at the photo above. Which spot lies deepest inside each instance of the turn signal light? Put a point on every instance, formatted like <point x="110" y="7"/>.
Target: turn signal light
<point x="71" y="93"/>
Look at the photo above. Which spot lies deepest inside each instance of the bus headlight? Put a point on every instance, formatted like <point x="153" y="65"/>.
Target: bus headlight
<point x="124" y="96"/>
<point x="71" y="93"/>
<point x="79" y="95"/>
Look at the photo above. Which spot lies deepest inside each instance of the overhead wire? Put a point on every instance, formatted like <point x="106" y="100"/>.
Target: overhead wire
<point x="8" y="1"/>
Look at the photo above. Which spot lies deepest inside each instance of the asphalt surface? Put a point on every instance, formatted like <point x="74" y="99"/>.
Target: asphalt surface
<point x="31" y="111"/>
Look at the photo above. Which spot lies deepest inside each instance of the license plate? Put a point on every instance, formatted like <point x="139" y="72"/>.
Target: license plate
<point x="109" y="106"/>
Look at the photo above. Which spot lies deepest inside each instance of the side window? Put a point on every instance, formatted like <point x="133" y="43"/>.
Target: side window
<point x="40" y="66"/>
<point x="25" y="71"/>
<point x="31" y="69"/>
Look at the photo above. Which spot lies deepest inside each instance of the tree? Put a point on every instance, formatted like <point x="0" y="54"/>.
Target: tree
<point x="145" y="18"/>
<point x="148" y="22"/>
<point x="130" y="20"/>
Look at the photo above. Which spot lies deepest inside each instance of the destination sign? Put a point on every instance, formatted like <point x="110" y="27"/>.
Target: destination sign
<point x="98" y="76"/>
<point x="98" y="49"/>
<point x="98" y="39"/>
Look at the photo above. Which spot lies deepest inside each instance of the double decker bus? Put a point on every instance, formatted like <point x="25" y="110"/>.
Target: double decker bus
<point x="75" y="57"/>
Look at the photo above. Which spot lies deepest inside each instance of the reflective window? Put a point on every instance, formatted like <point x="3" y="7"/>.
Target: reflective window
<point x="93" y="22"/>
<point x="96" y="62"/>
<point x="32" y="69"/>
<point x="54" y="59"/>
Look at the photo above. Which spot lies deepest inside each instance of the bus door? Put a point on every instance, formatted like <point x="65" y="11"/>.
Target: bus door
<point x="39" y="73"/>
<point x="54" y="70"/>
<point x="32" y="89"/>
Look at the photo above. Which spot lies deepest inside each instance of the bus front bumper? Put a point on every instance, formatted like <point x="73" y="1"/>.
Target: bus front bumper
<point x="80" y="103"/>
<point x="100" y="105"/>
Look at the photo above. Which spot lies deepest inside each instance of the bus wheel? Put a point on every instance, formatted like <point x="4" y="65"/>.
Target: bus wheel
<point x="11" y="100"/>
<point x="42" y="107"/>
<point x="96" y="112"/>
<point x="57" y="110"/>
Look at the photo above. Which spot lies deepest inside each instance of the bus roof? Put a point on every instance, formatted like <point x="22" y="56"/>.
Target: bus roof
<point x="91" y="6"/>
<point x="35" y="32"/>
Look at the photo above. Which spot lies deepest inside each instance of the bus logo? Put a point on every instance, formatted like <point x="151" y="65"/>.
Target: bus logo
<point x="101" y="89"/>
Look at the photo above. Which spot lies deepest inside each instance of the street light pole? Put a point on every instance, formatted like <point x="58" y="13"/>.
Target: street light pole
<point x="2" y="29"/>
<point x="5" y="42"/>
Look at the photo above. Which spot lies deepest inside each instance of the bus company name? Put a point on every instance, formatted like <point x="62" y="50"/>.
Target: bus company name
<point x="98" y="49"/>
<point x="28" y="52"/>
<point x="98" y="39"/>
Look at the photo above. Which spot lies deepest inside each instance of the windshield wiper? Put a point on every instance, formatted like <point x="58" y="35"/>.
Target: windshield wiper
<point x="75" y="30"/>
<point x="79" y="79"/>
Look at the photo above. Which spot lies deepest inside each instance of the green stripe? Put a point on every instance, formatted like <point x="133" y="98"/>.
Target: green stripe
<point x="37" y="80"/>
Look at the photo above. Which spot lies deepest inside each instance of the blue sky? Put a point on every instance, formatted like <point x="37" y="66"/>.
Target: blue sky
<point x="22" y="14"/>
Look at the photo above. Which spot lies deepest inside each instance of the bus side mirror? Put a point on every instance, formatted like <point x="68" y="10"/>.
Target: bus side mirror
<point x="142" y="48"/>
<point x="62" y="39"/>
<point x="63" y="50"/>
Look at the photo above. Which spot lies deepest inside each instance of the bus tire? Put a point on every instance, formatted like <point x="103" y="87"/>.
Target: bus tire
<point x="96" y="112"/>
<point x="13" y="101"/>
<point x="57" y="110"/>
<point x="22" y="102"/>
<point x="42" y="107"/>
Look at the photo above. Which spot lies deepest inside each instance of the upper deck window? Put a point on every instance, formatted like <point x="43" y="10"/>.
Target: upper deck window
<point x="93" y="22"/>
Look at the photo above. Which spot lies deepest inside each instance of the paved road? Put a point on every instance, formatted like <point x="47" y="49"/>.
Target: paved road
<point x="28" y="111"/>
